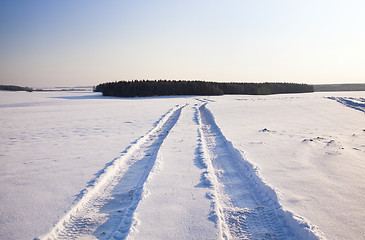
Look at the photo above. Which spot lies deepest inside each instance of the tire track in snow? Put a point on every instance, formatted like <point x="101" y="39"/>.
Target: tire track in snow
<point x="106" y="209"/>
<point x="355" y="103"/>
<point x="243" y="205"/>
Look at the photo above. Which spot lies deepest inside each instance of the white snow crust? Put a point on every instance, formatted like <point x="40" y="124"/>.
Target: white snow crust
<point x="310" y="149"/>
<point x="77" y="165"/>
<point x="54" y="144"/>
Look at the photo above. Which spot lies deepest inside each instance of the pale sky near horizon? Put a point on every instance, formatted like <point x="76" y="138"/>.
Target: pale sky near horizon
<point x="47" y="43"/>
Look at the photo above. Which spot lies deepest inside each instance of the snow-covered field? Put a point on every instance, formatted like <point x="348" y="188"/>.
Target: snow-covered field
<point x="79" y="165"/>
<point x="310" y="149"/>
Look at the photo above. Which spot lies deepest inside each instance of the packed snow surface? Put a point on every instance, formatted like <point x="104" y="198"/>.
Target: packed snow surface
<point x="76" y="165"/>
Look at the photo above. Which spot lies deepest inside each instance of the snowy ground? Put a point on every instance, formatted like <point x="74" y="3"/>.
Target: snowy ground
<point x="79" y="165"/>
<point x="311" y="149"/>
<point x="53" y="143"/>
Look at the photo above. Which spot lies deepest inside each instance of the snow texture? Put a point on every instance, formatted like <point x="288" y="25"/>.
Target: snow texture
<point x="54" y="145"/>
<point x="224" y="167"/>
<point x="311" y="153"/>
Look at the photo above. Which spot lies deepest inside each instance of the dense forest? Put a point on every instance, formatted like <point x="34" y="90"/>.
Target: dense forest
<point x="145" y="88"/>
<point x="15" y="88"/>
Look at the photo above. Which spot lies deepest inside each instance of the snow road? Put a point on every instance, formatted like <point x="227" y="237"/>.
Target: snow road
<point x="225" y="167"/>
<point x="228" y="202"/>
<point x="175" y="205"/>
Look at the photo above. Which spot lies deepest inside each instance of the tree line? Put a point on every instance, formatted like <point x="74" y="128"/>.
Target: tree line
<point x="15" y="88"/>
<point x="146" y="88"/>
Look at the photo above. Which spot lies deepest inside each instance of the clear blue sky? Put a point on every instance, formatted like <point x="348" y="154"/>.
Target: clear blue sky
<point x="46" y="43"/>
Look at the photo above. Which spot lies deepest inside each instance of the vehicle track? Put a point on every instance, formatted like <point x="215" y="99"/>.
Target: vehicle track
<point x="244" y="207"/>
<point x="355" y="103"/>
<point x="106" y="209"/>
